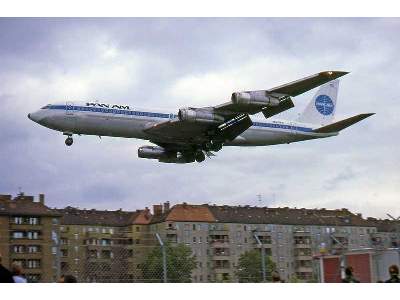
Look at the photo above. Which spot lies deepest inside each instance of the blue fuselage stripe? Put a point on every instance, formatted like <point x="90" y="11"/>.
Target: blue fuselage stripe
<point x="162" y="115"/>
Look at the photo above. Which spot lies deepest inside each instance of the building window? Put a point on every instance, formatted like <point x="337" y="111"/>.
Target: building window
<point x="33" y="249"/>
<point x="18" y="220"/>
<point x="33" y="235"/>
<point x="54" y="250"/>
<point x="194" y="227"/>
<point x="33" y="263"/>
<point x="33" y="221"/>
<point x="137" y="229"/>
<point x="199" y="239"/>
<point x="18" y="249"/>
<point x="194" y="239"/>
<point x="18" y="235"/>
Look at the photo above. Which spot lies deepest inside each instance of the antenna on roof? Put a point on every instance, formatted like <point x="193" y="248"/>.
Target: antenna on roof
<point x="20" y="192"/>
<point x="393" y="218"/>
<point x="259" y="197"/>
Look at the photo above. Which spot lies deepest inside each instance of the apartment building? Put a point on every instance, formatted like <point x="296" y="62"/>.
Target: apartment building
<point x="218" y="235"/>
<point x="29" y="231"/>
<point x="109" y="246"/>
<point x="102" y="246"/>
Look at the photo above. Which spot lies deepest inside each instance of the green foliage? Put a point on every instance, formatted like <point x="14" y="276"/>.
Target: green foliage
<point x="249" y="268"/>
<point x="180" y="264"/>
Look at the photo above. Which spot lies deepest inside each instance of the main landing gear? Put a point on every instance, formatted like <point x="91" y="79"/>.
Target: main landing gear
<point x="199" y="156"/>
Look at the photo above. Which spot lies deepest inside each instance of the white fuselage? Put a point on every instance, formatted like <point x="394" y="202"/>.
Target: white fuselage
<point x="123" y="121"/>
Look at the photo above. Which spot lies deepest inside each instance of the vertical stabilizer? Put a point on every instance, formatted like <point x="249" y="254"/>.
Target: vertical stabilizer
<point x="321" y="109"/>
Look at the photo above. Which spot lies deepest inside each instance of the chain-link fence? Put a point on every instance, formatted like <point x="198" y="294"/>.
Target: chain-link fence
<point x="146" y="257"/>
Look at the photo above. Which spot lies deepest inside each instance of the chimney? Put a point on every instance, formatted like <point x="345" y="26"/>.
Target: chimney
<point x="166" y="206"/>
<point x="41" y="198"/>
<point x="157" y="209"/>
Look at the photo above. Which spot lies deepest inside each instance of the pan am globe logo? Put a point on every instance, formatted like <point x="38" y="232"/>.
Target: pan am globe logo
<point x="324" y="105"/>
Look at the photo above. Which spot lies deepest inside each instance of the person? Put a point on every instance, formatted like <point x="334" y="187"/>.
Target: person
<point x="17" y="273"/>
<point x="394" y="274"/>
<point x="276" y="278"/>
<point x="5" y="274"/>
<point x="349" y="276"/>
<point x="68" y="279"/>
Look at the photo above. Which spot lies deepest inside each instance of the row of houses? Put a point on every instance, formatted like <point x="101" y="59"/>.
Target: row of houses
<point x="109" y="246"/>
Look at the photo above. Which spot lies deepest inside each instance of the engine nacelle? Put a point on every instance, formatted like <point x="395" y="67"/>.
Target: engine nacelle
<point x="198" y="115"/>
<point x="152" y="152"/>
<point x="254" y="98"/>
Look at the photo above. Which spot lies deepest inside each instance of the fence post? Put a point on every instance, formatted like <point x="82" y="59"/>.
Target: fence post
<point x="262" y="257"/>
<point x="164" y="257"/>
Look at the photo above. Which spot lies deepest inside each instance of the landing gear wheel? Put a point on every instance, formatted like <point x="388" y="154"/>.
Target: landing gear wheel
<point x="69" y="141"/>
<point x="213" y="146"/>
<point x="217" y="147"/>
<point x="200" y="156"/>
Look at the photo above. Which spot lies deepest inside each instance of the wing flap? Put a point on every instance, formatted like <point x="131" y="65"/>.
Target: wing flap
<point x="272" y="111"/>
<point x="338" y="126"/>
<point x="178" y="131"/>
<point x="231" y="129"/>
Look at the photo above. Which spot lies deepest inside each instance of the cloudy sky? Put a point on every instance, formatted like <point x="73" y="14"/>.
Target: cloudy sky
<point x="172" y="63"/>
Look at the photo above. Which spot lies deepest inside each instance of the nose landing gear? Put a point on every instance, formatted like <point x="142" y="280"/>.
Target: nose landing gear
<point x="69" y="141"/>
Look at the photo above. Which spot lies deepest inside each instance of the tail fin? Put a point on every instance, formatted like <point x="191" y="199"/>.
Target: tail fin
<point x="322" y="107"/>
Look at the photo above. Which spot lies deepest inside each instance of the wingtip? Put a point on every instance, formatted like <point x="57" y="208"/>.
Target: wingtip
<point x="335" y="74"/>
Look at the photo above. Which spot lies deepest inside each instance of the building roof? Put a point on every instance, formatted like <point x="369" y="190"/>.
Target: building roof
<point x="76" y="216"/>
<point x="286" y="216"/>
<point x="24" y="206"/>
<point x="260" y="215"/>
<point x="385" y="225"/>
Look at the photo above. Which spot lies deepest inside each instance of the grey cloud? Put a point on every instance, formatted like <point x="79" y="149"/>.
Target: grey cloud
<point x="44" y="60"/>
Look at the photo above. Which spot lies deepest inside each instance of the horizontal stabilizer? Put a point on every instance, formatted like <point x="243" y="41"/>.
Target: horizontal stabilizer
<point x="338" y="126"/>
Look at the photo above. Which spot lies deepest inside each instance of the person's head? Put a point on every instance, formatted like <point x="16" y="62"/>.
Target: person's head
<point x="16" y="268"/>
<point x="276" y="277"/>
<point x="349" y="271"/>
<point x="68" y="279"/>
<point x="394" y="270"/>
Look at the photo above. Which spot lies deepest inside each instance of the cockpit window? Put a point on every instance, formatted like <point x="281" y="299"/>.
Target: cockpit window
<point x="46" y="107"/>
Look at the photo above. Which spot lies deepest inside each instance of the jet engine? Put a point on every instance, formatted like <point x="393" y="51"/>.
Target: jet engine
<point x="152" y="152"/>
<point x="254" y="98"/>
<point x="199" y="116"/>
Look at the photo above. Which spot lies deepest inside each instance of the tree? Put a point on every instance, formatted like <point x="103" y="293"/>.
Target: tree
<point x="249" y="268"/>
<point x="180" y="264"/>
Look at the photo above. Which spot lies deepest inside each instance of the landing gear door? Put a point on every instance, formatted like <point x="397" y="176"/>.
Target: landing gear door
<point x="69" y="108"/>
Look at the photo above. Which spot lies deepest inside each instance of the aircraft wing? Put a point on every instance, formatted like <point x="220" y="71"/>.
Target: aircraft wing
<point x="279" y="96"/>
<point x="181" y="132"/>
<point x="194" y="127"/>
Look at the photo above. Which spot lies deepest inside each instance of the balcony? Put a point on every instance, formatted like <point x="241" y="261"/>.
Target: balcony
<point x="300" y="245"/>
<point x="303" y="257"/>
<point x="301" y="233"/>
<point x="219" y="243"/>
<point x="304" y="269"/>
<point x="222" y="231"/>
<point x="221" y="269"/>
<point x="340" y="234"/>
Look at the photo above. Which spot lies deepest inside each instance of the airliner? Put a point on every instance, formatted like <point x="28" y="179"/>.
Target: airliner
<point x="192" y="133"/>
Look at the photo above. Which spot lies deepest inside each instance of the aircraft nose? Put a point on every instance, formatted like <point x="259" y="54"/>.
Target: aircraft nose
<point x="35" y="116"/>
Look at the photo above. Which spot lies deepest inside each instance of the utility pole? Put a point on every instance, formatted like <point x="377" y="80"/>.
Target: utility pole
<point x="164" y="257"/>
<point x="262" y="257"/>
